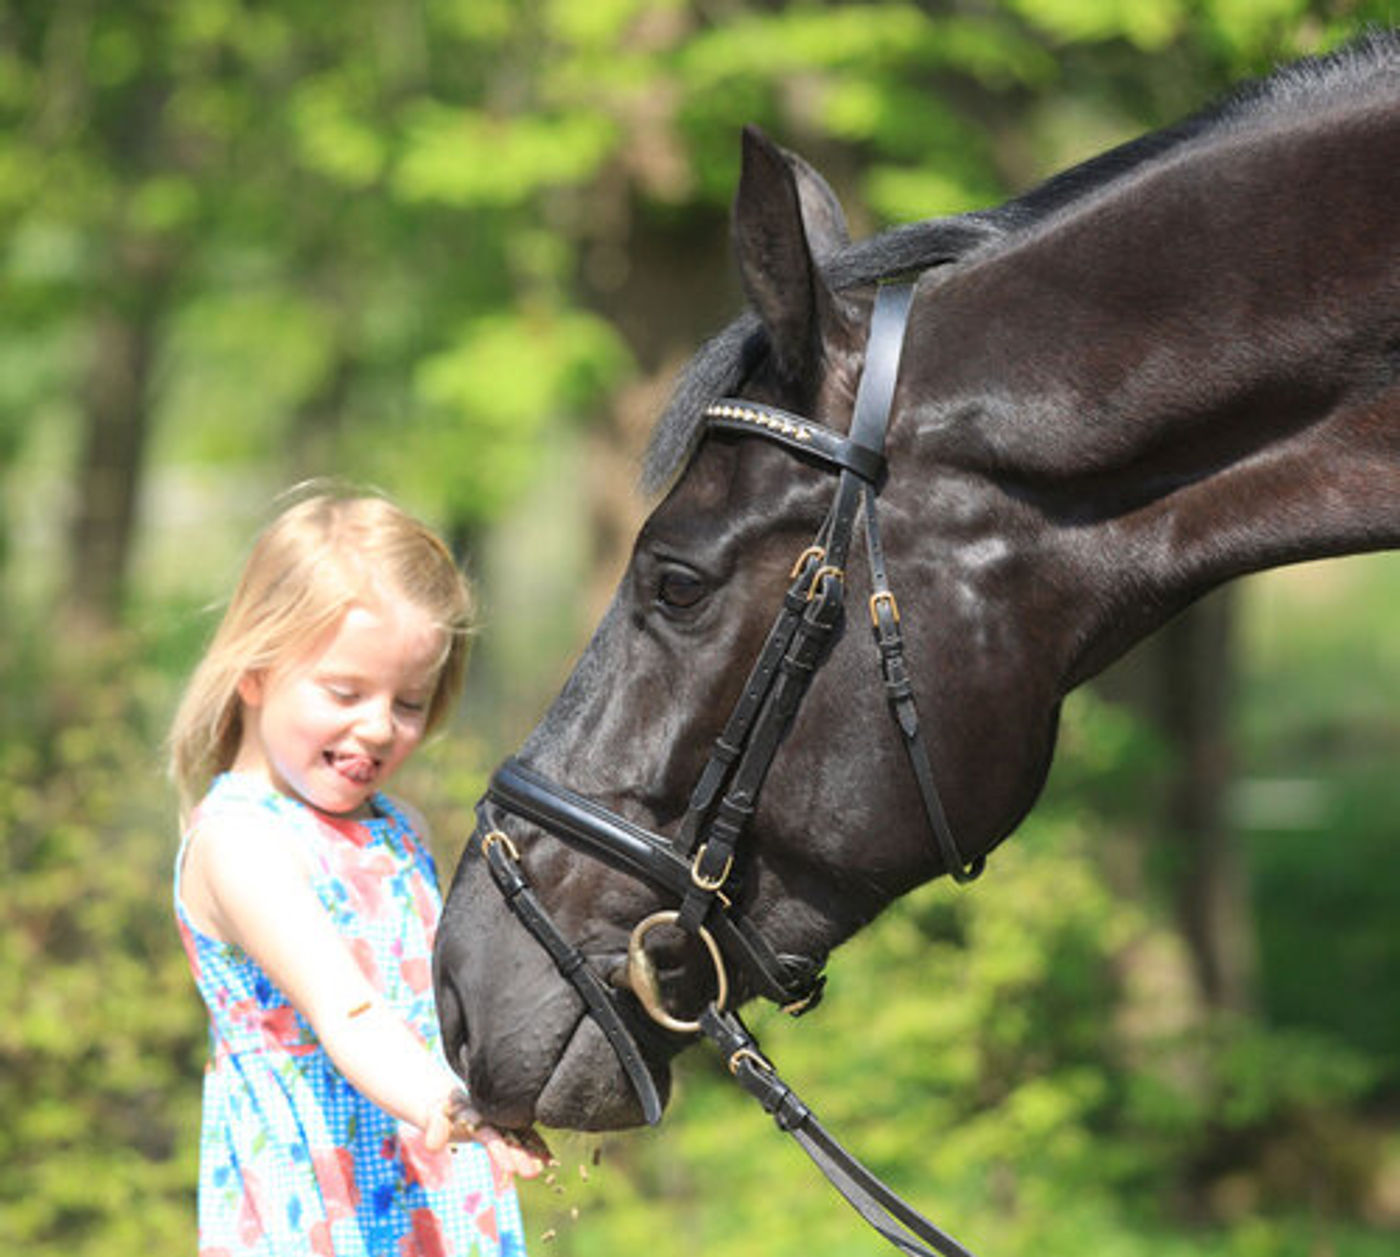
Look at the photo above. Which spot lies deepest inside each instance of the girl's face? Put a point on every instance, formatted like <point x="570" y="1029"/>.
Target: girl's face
<point x="332" y="726"/>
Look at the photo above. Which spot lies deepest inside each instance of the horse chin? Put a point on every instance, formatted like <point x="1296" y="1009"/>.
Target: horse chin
<point x="588" y="1090"/>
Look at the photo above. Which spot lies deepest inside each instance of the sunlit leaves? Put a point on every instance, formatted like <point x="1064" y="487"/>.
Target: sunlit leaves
<point x="102" y="1034"/>
<point x="801" y="39"/>
<point x="906" y="195"/>
<point x="1146" y="26"/>
<point x="599" y="24"/>
<point x="490" y="397"/>
<point x="164" y="203"/>
<point x="335" y="137"/>
<point x="549" y="360"/>
<point x="286" y="340"/>
<point x="466" y="157"/>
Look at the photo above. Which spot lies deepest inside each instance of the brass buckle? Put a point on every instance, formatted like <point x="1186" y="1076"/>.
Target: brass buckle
<point x="811" y="552"/>
<point x="825" y="570"/>
<point x="753" y="1058"/>
<point x="799" y="1006"/>
<point x="496" y="836"/>
<point x="876" y="599"/>
<point x="641" y="973"/>
<point x="711" y="885"/>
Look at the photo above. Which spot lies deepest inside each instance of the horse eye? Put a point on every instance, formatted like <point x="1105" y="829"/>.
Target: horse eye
<point x="679" y="589"/>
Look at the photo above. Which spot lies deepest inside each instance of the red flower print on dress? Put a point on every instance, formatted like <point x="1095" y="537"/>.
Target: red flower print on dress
<point x="278" y="1027"/>
<point x="335" y="1176"/>
<point x="425" y="1240"/>
<point x="363" y="953"/>
<point x="320" y="1236"/>
<point x="431" y="1169"/>
<point x="245" y="1013"/>
<point x="486" y="1224"/>
<point x="281" y="1029"/>
<point x="367" y="881"/>
<point x="248" y="1222"/>
<point x="426" y="907"/>
<point x="417" y="972"/>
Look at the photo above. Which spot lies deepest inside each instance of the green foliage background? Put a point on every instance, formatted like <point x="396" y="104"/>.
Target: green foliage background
<point x="408" y="241"/>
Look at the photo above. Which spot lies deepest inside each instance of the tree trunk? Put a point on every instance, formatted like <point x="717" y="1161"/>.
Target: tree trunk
<point x="116" y="420"/>
<point x="1196" y="677"/>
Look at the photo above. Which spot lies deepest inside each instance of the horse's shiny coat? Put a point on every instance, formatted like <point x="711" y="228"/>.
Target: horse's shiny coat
<point x="1158" y="372"/>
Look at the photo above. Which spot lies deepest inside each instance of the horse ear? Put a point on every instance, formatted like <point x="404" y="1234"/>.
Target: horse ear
<point x="823" y="219"/>
<point x="779" y="202"/>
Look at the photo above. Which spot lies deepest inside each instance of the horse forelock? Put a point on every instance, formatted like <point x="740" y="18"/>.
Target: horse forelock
<point x="1353" y="74"/>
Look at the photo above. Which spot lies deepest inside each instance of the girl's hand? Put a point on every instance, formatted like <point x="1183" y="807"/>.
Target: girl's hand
<point x="521" y="1153"/>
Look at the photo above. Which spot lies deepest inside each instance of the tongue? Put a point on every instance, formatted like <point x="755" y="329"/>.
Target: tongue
<point x="358" y="768"/>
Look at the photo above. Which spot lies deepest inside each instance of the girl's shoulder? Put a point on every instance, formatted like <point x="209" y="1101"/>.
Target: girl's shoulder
<point x="235" y="810"/>
<point x="236" y="842"/>
<point x="240" y="796"/>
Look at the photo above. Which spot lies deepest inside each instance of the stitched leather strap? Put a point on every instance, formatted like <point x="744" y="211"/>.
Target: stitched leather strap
<point x="887" y="1212"/>
<point x="899" y="691"/>
<point x="517" y="789"/>
<point x="698" y="869"/>
<point x="572" y="964"/>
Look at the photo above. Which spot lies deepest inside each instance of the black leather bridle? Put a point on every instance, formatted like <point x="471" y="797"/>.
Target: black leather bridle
<point x="696" y="869"/>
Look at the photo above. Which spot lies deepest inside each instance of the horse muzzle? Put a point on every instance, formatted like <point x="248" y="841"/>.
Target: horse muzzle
<point x="540" y="1030"/>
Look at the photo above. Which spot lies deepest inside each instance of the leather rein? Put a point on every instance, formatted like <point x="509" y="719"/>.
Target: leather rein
<point x="697" y="868"/>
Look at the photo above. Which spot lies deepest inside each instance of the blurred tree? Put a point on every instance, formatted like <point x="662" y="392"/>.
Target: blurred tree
<point x="417" y="242"/>
<point x="308" y="237"/>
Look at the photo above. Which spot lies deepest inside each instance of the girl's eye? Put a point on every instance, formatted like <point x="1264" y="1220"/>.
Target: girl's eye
<point x="341" y="693"/>
<point x="679" y="589"/>
<point x="411" y="706"/>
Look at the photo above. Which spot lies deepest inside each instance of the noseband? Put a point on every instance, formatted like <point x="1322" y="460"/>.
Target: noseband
<point x="696" y="869"/>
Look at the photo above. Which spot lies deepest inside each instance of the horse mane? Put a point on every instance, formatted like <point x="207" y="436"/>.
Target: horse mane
<point x="1351" y="73"/>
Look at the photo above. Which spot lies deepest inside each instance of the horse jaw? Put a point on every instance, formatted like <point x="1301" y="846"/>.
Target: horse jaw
<point x="516" y="1032"/>
<point x="587" y="1091"/>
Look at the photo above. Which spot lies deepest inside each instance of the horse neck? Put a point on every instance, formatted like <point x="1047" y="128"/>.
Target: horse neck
<point x="1193" y="375"/>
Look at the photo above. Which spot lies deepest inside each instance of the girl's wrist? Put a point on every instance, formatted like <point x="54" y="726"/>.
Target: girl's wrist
<point x="444" y="1103"/>
<point x="462" y="1116"/>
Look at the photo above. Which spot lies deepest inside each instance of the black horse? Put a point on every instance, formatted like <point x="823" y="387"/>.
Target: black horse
<point x="1161" y="370"/>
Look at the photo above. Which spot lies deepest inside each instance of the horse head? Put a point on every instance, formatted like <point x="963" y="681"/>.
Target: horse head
<point x="825" y="850"/>
<point x="1090" y="428"/>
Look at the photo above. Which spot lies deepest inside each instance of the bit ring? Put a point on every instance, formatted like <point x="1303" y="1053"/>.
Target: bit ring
<point x="642" y="979"/>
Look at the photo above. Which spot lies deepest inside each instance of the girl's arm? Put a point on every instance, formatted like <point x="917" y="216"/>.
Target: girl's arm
<point x="248" y="887"/>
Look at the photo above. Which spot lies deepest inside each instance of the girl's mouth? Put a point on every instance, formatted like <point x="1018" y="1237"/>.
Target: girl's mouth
<point x="354" y="766"/>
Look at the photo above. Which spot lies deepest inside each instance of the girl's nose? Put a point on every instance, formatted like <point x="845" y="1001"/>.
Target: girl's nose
<point x="376" y="723"/>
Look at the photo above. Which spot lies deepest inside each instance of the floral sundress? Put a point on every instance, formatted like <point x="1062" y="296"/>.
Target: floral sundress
<point x="293" y="1159"/>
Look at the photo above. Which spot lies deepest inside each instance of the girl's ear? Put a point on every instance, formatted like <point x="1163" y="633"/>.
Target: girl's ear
<point x="250" y="688"/>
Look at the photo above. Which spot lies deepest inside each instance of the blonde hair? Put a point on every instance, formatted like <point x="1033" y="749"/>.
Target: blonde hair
<point x="320" y="555"/>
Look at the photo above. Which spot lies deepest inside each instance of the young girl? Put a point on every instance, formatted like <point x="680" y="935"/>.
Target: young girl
<point x="307" y="901"/>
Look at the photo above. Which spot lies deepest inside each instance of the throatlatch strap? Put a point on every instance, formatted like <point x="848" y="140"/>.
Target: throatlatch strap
<point x="899" y="691"/>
